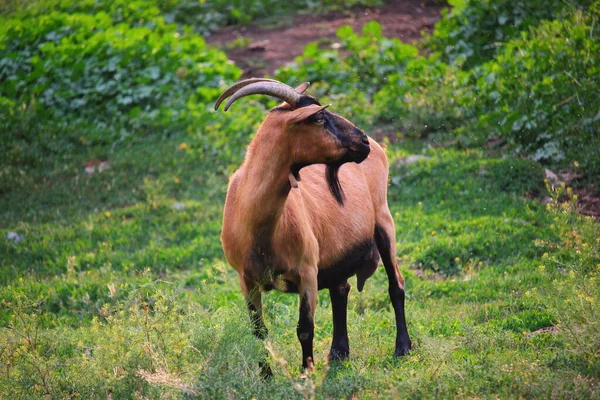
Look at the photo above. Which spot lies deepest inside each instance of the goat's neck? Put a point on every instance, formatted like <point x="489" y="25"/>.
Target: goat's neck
<point x="265" y="182"/>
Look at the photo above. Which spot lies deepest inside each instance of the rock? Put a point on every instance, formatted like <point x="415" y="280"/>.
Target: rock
<point x="91" y="167"/>
<point x="178" y="206"/>
<point x="568" y="176"/>
<point x="104" y="165"/>
<point x="14" y="237"/>
<point x="413" y="158"/>
<point x="259" y="46"/>
<point x="552" y="177"/>
<point x="550" y="329"/>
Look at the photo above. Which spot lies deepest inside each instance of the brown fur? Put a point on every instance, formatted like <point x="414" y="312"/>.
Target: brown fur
<point x="271" y="230"/>
<point x="309" y="226"/>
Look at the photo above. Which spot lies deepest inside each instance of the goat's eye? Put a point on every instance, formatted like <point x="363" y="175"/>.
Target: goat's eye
<point x="319" y="118"/>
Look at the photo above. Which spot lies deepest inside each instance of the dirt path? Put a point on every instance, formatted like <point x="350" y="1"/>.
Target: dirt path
<point x="271" y="48"/>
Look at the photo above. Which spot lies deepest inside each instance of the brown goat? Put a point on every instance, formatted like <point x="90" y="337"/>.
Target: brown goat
<point x="305" y="236"/>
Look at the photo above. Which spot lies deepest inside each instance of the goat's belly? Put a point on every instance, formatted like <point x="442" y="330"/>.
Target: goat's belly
<point x="361" y="260"/>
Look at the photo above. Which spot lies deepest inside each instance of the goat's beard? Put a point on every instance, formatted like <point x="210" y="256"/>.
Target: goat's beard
<point x="331" y="174"/>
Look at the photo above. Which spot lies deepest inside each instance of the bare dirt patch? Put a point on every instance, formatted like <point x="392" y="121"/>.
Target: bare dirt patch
<point x="273" y="47"/>
<point x="588" y="195"/>
<point x="589" y="201"/>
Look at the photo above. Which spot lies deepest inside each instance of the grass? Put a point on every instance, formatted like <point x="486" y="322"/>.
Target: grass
<point x="119" y="288"/>
<point x="113" y="284"/>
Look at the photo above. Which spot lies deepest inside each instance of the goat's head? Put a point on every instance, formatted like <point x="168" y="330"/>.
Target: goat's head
<point x="315" y="135"/>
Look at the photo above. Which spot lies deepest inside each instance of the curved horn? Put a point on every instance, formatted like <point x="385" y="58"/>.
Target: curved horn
<point x="302" y="88"/>
<point x="234" y="88"/>
<point x="275" y="89"/>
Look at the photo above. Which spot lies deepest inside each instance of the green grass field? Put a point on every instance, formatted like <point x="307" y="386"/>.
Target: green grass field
<point x="113" y="284"/>
<point x="119" y="286"/>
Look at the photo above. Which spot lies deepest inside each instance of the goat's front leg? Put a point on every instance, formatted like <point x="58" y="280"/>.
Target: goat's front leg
<point x="253" y="298"/>
<point x="340" y="347"/>
<point x="308" y="290"/>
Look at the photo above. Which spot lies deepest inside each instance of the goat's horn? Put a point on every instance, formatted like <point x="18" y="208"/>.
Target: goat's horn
<point x="302" y="88"/>
<point x="234" y="88"/>
<point x="275" y="89"/>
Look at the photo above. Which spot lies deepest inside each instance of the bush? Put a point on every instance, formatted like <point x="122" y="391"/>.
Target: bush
<point x="96" y="68"/>
<point x="537" y="92"/>
<point x="474" y="31"/>
<point x="204" y="16"/>
<point x="350" y="75"/>
<point x="540" y="93"/>
<point x="430" y="96"/>
<point x="371" y="58"/>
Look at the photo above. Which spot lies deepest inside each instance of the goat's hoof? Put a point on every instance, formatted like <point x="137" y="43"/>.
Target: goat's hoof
<point x="265" y="371"/>
<point x="338" y="354"/>
<point x="308" y="365"/>
<point x="402" y="351"/>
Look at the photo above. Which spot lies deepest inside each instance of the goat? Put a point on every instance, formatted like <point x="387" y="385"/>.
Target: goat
<point x="303" y="234"/>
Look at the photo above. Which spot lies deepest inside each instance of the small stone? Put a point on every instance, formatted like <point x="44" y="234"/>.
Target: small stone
<point x="104" y="165"/>
<point x="178" y="206"/>
<point x="552" y="177"/>
<point x="413" y="158"/>
<point x="14" y="237"/>
<point x="91" y="167"/>
<point x="550" y="329"/>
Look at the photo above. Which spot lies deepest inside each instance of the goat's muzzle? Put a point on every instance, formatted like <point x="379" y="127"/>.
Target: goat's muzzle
<point x="359" y="151"/>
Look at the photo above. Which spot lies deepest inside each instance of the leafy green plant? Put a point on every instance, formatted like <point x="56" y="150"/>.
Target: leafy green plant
<point x="473" y="32"/>
<point x="204" y="16"/>
<point x="80" y="66"/>
<point x="429" y="96"/>
<point x="536" y="91"/>
<point x="117" y="286"/>
<point x="371" y="58"/>
<point x="540" y="92"/>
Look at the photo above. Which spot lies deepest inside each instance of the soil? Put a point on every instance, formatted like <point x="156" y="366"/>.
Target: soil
<point x="274" y="47"/>
<point x="589" y="201"/>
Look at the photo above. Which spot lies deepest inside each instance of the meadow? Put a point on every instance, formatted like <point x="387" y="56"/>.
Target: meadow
<point x="113" y="175"/>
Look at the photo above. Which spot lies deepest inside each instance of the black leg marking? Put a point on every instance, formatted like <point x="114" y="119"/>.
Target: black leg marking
<point x="265" y="369"/>
<point x="306" y="332"/>
<point x="259" y="329"/>
<point x="258" y="325"/>
<point x="396" y="290"/>
<point x="340" y="347"/>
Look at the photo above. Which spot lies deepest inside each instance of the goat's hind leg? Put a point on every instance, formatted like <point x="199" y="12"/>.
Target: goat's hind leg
<point x="253" y="299"/>
<point x="308" y="289"/>
<point x="340" y="346"/>
<point x="385" y="237"/>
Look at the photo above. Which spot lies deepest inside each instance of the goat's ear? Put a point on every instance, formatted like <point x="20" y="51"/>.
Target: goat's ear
<point x="303" y="113"/>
